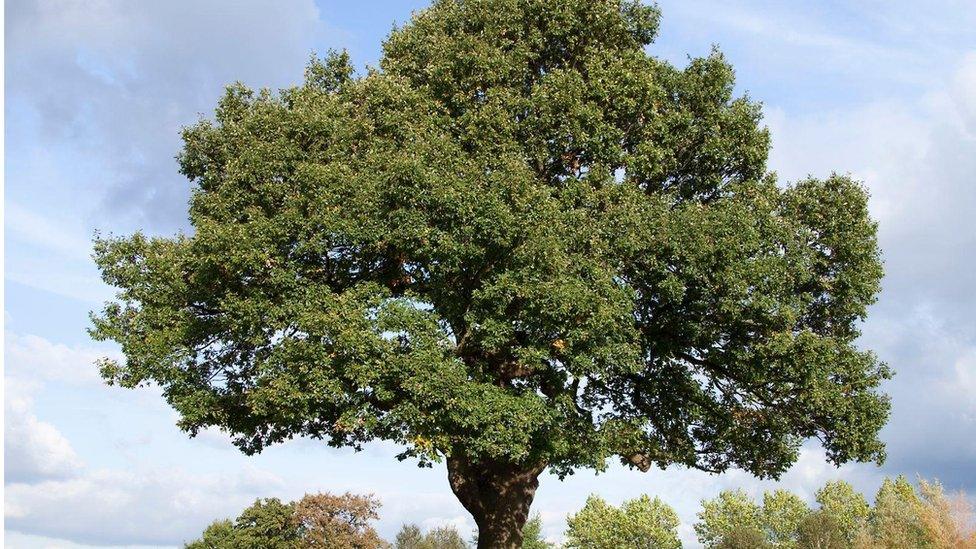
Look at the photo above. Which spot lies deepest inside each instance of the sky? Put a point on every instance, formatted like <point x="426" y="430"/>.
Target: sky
<point x="97" y="91"/>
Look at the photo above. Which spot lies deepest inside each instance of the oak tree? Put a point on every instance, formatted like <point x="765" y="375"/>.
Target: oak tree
<point x="520" y="243"/>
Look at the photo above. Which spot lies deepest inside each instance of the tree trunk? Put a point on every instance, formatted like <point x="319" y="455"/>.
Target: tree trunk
<point x="498" y="496"/>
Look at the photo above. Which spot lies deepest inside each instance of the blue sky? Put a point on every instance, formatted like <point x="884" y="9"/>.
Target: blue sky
<point x="96" y="92"/>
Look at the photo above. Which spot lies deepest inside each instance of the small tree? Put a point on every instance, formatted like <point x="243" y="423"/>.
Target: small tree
<point x="219" y="535"/>
<point x="317" y="521"/>
<point x="269" y="524"/>
<point x="521" y="243"/>
<point x="443" y="537"/>
<point x="846" y="508"/>
<point x="948" y="521"/>
<point x="532" y="534"/>
<point x="733" y="516"/>
<point x="640" y="522"/>
<point x="782" y="513"/>
<point x="743" y="537"/>
<point x="326" y="521"/>
<point x="732" y="511"/>
<point x="905" y="517"/>
<point x="896" y="518"/>
<point x="822" y="530"/>
<point x="409" y="537"/>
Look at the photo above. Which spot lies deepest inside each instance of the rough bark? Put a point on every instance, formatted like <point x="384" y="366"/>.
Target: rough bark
<point x="498" y="496"/>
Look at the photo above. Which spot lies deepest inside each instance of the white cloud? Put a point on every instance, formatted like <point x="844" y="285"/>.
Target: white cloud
<point x="918" y="159"/>
<point x="33" y="359"/>
<point x="962" y="95"/>
<point x="17" y="540"/>
<point x="150" y="507"/>
<point x="49" y="491"/>
<point x="964" y="384"/>
<point x="814" y="43"/>
<point x="44" y="233"/>
<point x="34" y="450"/>
<point x="36" y="241"/>
<point x="110" y="83"/>
<point x="97" y="92"/>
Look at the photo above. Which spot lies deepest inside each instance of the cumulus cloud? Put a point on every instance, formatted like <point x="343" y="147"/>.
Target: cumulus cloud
<point x="34" y="450"/>
<point x="31" y="359"/>
<point x="917" y="158"/>
<point x="109" y="84"/>
<point x="49" y="490"/>
<point x="148" y="507"/>
<point x="114" y="494"/>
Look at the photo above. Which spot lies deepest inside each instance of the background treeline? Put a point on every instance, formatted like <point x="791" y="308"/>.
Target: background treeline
<point x="902" y="516"/>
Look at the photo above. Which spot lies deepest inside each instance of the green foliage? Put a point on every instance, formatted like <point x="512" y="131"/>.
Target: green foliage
<point x="317" y="521"/>
<point x="532" y="534"/>
<point x="444" y="537"/>
<point x="844" y="507"/>
<point x="521" y="239"/>
<point x="822" y="529"/>
<point x="948" y="521"/>
<point x="409" y="537"/>
<point x="901" y="517"/>
<point x="732" y="519"/>
<point x="782" y="513"/>
<point x="896" y="518"/>
<point x="640" y="522"/>
<point x="267" y="524"/>
<point x="219" y="535"/>
<point x="743" y="537"/>
<point x="730" y="512"/>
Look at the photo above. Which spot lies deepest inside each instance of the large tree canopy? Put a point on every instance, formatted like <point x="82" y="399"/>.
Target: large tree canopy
<point x="519" y="243"/>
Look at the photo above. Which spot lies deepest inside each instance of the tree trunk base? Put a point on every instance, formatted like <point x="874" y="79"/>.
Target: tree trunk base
<point x="498" y="496"/>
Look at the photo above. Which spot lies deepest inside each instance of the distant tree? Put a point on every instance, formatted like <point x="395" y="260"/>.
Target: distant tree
<point x="895" y="520"/>
<point x="520" y="243"/>
<point x="948" y="521"/>
<point x="532" y="534"/>
<point x="640" y="522"/>
<point x="844" y="508"/>
<point x="410" y="536"/>
<point x="782" y="513"/>
<point x="733" y="516"/>
<point x="267" y="524"/>
<point x="904" y="516"/>
<point x="317" y="521"/>
<point x="822" y="530"/>
<point x="326" y="521"/>
<point x="444" y="537"/>
<point x="219" y="535"/>
<point x="731" y="512"/>
<point x="743" y="537"/>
